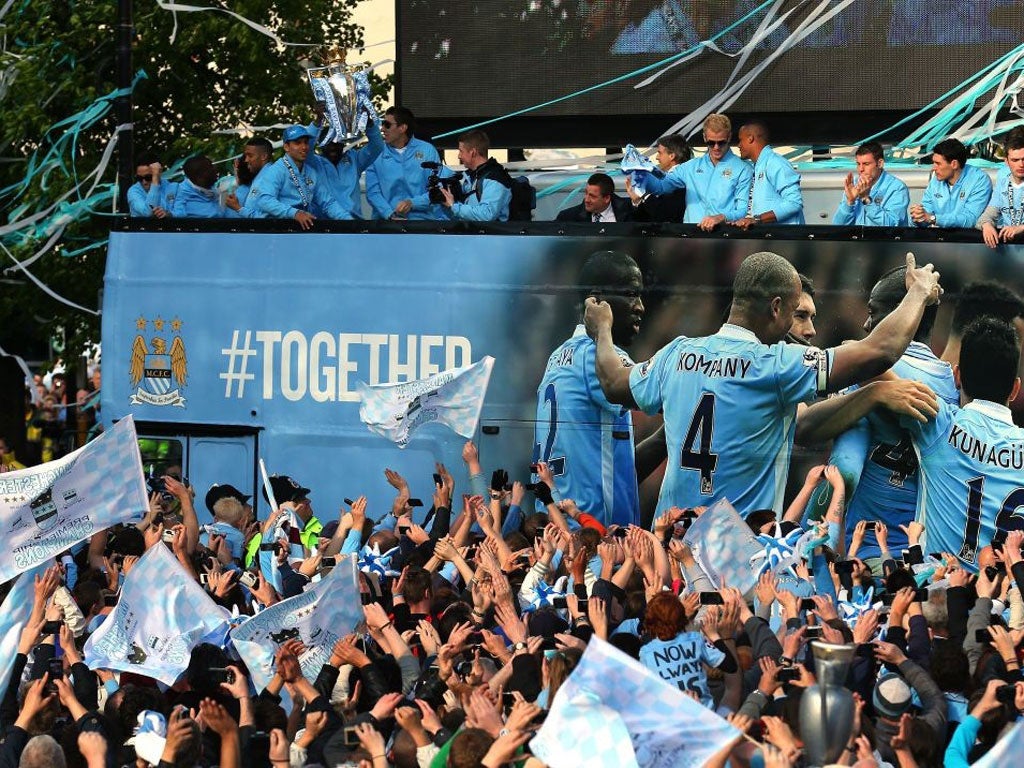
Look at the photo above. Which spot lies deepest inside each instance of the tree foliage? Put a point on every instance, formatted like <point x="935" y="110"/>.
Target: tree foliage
<point x="205" y="72"/>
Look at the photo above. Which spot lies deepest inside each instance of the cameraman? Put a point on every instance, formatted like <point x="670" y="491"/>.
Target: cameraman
<point x="486" y="185"/>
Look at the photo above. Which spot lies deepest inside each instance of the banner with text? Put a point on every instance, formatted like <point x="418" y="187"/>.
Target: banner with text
<point x="453" y="398"/>
<point x="319" y="617"/>
<point x="161" y="616"/>
<point x="45" y="510"/>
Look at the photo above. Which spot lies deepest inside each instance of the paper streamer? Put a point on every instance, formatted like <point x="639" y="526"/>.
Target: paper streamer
<point x="613" y="81"/>
<point x="728" y="95"/>
<point x="46" y="289"/>
<point x="183" y="8"/>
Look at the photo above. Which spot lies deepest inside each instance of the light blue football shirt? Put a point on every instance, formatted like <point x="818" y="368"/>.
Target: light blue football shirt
<point x="730" y="415"/>
<point x="972" y="477"/>
<point x="587" y="440"/>
<point x="887" y="490"/>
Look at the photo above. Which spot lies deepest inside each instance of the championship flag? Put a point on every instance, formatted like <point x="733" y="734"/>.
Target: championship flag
<point x="724" y="547"/>
<point x="161" y="616"/>
<point x="47" y="509"/>
<point x="453" y="398"/>
<point x="631" y="718"/>
<point x="319" y="617"/>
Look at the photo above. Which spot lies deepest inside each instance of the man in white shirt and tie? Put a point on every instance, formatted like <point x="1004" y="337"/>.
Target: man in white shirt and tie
<point x="600" y="203"/>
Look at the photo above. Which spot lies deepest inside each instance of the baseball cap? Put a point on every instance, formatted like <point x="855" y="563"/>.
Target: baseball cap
<point x="295" y="132"/>
<point x="892" y="695"/>
<point x="285" y="489"/>
<point x="218" y="492"/>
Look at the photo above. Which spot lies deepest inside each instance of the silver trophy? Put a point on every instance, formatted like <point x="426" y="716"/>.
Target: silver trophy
<point x="344" y="90"/>
<point x="826" y="708"/>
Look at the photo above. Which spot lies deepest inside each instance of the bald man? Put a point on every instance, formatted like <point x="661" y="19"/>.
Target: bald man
<point x="774" y="196"/>
<point x="730" y="400"/>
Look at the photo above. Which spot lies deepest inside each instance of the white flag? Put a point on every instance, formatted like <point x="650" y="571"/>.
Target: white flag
<point x="453" y="398"/>
<point x="161" y="616"/>
<point x="724" y="546"/>
<point x="612" y="712"/>
<point x="47" y="509"/>
<point x="319" y="617"/>
<point x="14" y="613"/>
<point x="1003" y="752"/>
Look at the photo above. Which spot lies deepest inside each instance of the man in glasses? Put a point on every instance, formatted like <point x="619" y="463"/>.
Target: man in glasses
<point x="773" y="196"/>
<point x="147" y="196"/>
<point x="396" y="182"/>
<point x="716" y="183"/>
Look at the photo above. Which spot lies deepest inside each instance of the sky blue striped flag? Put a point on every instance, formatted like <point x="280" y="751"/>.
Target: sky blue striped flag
<point x="162" y="614"/>
<point x="724" y="546"/>
<point x="49" y="508"/>
<point x="612" y="712"/>
<point x="453" y="398"/>
<point x="320" y="616"/>
<point x="14" y="613"/>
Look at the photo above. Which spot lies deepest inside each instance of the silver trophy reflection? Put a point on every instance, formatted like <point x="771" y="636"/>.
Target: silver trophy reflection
<point x="826" y="708"/>
<point x="344" y="91"/>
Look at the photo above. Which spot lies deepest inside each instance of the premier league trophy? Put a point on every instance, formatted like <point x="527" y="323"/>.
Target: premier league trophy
<point x="344" y="91"/>
<point x="826" y="708"/>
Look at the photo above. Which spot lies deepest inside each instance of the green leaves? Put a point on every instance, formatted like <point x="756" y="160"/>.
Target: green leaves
<point x="217" y="74"/>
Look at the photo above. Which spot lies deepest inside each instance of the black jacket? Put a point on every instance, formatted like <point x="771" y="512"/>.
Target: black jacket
<point x="669" y="207"/>
<point x="622" y="207"/>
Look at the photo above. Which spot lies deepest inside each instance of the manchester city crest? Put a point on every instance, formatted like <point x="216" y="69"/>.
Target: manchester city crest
<point x="44" y="511"/>
<point x="158" y="373"/>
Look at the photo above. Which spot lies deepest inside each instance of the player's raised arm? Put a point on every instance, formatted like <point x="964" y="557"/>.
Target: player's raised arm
<point x="826" y="420"/>
<point x="614" y="377"/>
<point x="879" y="351"/>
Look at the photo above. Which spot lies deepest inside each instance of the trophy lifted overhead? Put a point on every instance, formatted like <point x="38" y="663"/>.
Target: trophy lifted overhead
<point x="344" y="92"/>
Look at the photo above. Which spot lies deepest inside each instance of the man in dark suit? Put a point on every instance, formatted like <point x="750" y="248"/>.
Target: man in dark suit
<point x="600" y="203"/>
<point x="668" y="206"/>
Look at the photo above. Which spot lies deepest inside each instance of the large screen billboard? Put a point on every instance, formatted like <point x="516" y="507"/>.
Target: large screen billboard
<point x="465" y="59"/>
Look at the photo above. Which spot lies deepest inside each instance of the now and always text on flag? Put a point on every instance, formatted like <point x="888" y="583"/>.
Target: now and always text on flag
<point x="161" y="615"/>
<point x="319" y="617"/>
<point x="45" y="510"/>
<point x="612" y="712"/>
<point x="453" y="398"/>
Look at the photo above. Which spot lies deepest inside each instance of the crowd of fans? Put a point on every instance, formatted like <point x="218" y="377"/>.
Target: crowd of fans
<point x="405" y="179"/>
<point x="485" y="605"/>
<point x="56" y="421"/>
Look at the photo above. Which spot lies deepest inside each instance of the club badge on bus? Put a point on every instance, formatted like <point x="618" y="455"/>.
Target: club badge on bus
<point x="155" y="369"/>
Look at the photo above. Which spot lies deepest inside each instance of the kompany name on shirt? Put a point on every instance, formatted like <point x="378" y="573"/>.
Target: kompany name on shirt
<point x="713" y="367"/>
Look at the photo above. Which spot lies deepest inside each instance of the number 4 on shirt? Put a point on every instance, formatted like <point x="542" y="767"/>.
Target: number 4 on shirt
<point x="702" y="460"/>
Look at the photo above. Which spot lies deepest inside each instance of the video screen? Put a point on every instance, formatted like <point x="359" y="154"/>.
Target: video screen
<point x="461" y="58"/>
